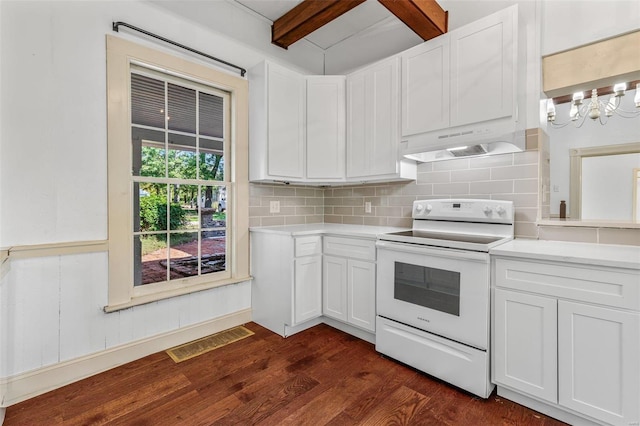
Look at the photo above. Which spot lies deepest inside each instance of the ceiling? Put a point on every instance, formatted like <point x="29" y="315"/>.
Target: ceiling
<point x="363" y="35"/>
<point x="364" y="16"/>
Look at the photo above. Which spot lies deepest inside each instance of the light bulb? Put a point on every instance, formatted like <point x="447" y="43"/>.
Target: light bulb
<point x="551" y="110"/>
<point x="578" y="97"/>
<point x="619" y="89"/>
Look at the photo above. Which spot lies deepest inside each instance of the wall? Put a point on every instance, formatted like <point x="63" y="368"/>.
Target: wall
<point x="570" y="23"/>
<point x="53" y="190"/>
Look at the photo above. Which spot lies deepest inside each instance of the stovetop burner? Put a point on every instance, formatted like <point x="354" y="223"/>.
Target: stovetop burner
<point x="465" y="224"/>
<point x="474" y="239"/>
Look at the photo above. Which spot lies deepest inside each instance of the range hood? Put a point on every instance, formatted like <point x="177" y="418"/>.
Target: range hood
<point x="451" y="144"/>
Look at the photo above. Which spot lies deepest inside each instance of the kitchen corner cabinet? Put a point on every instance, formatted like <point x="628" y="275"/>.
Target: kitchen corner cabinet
<point x="349" y="281"/>
<point x="463" y="77"/>
<point x="373" y="132"/>
<point x="325" y="128"/>
<point x="277" y="126"/>
<point x="286" y="294"/>
<point x="568" y="335"/>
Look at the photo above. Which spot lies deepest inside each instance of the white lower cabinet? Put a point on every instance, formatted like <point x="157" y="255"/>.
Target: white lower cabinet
<point x="307" y="293"/>
<point x="526" y="343"/>
<point x="598" y="353"/>
<point x="349" y="281"/>
<point x="286" y="291"/>
<point x="554" y="345"/>
<point x="349" y="291"/>
<point x="334" y="287"/>
<point x="298" y="279"/>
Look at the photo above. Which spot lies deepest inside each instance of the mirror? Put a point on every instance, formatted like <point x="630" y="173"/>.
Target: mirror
<point x="565" y="141"/>
<point x="604" y="182"/>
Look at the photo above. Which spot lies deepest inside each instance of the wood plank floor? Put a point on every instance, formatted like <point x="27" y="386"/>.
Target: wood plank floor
<point x="321" y="376"/>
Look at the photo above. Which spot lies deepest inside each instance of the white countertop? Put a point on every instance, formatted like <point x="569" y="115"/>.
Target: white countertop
<point x="619" y="256"/>
<point x="364" y="231"/>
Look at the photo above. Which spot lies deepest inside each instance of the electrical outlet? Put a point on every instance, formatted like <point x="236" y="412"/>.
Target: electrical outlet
<point x="367" y="207"/>
<point x="274" y="207"/>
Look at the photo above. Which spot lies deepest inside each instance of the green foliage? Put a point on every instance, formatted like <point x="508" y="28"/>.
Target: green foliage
<point x="153" y="214"/>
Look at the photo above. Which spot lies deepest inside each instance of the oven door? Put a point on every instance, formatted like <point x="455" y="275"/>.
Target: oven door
<point x="442" y="291"/>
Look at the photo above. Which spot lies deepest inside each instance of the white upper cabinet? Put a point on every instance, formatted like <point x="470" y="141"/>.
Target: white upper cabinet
<point x="297" y="126"/>
<point x="325" y="130"/>
<point x="461" y="78"/>
<point x="373" y="131"/>
<point x="277" y="127"/>
<point x="425" y="87"/>
<point x="483" y="67"/>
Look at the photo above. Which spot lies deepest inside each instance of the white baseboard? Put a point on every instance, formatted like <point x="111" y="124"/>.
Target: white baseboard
<point x="23" y="386"/>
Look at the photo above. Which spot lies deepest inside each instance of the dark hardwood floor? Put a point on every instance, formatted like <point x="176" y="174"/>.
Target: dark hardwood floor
<point x="321" y="376"/>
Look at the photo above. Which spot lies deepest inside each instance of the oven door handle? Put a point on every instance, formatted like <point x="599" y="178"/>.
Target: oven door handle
<point x="433" y="251"/>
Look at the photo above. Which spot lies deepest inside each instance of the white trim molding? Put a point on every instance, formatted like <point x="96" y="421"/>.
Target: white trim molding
<point x="27" y="385"/>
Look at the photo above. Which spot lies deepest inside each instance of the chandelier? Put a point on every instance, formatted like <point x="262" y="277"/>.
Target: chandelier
<point x="596" y="108"/>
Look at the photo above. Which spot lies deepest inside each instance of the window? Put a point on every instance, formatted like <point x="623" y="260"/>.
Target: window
<point x="177" y="152"/>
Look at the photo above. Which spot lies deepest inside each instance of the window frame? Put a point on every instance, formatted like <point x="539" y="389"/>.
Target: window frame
<point x="122" y="57"/>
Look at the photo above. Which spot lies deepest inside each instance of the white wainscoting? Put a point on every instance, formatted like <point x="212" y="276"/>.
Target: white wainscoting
<point x="53" y="328"/>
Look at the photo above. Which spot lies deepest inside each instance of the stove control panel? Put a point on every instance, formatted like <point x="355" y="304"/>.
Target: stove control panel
<point x="469" y="210"/>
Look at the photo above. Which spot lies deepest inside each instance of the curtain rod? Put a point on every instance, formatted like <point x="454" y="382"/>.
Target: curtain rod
<point x="166" y="40"/>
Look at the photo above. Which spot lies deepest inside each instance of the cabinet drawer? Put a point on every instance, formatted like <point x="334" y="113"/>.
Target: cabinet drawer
<point x="308" y="246"/>
<point x="350" y="247"/>
<point x="598" y="285"/>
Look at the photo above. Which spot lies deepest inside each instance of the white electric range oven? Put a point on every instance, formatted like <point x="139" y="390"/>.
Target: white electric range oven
<point x="433" y="289"/>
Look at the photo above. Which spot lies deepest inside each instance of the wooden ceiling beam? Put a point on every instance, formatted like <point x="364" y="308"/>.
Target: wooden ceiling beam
<point x="307" y="17"/>
<point x="425" y="17"/>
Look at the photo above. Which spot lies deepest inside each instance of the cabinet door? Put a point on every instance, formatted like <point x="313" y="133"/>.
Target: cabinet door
<point x="334" y="287"/>
<point x="357" y="124"/>
<point x="483" y="67"/>
<point x="525" y="343"/>
<point x="599" y="362"/>
<point x="285" y="106"/>
<point x="326" y="127"/>
<point x="362" y="294"/>
<point x="307" y="292"/>
<point x="373" y="131"/>
<point x="383" y="118"/>
<point x="425" y="87"/>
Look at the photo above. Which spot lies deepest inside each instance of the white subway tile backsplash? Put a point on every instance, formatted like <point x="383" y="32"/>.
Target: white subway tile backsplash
<point x="515" y="172"/>
<point x="343" y="210"/>
<point x="458" y="164"/>
<point x="619" y="236"/>
<point x="491" y="161"/>
<point x="415" y="189"/>
<point x="525" y="186"/>
<point x="284" y="191"/>
<point x="526" y="157"/>
<point x="272" y="221"/>
<point x="492" y="187"/>
<point x="471" y="175"/>
<point x="294" y="220"/>
<point x="577" y="234"/>
<point x="459" y="188"/>
<point x="434" y="177"/>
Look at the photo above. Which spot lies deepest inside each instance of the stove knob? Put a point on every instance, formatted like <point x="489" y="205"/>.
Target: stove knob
<point x="487" y="210"/>
<point x="501" y="210"/>
<point x="429" y="208"/>
<point x="419" y="208"/>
